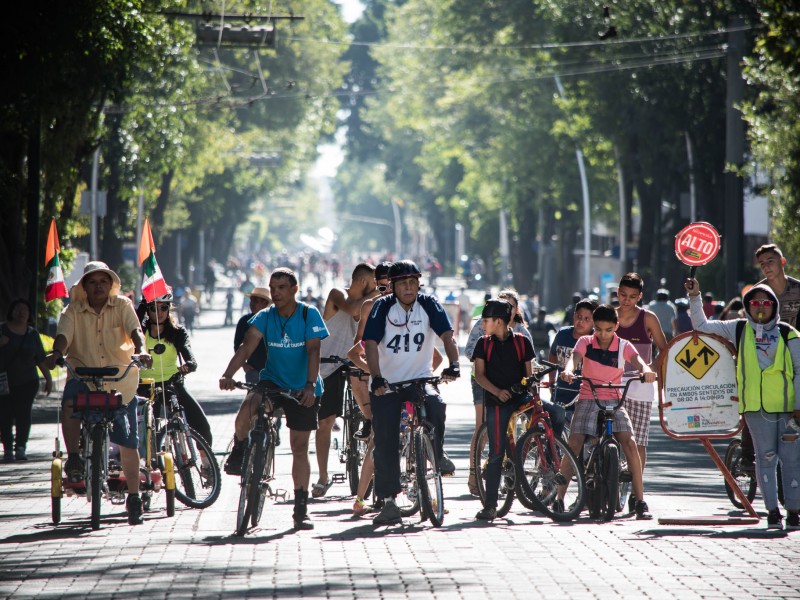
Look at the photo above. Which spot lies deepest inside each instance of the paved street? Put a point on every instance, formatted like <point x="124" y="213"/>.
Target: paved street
<point x="524" y="555"/>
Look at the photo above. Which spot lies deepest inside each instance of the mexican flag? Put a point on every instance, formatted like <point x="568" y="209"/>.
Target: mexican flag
<point x="56" y="288"/>
<point x="153" y="284"/>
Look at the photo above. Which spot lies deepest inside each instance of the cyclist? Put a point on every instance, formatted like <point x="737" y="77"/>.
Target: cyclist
<point x="475" y="335"/>
<point x="562" y="347"/>
<point x="502" y="359"/>
<point x="293" y="332"/>
<point x="642" y="328"/>
<point x="99" y="328"/>
<point x="361" y="389"/>
<point x="768" y="382"/>
<point x="603" y="356"/>
<point x="342" y="308"/>
<point x="399" y="344"/>
<point x="169" y="345"/>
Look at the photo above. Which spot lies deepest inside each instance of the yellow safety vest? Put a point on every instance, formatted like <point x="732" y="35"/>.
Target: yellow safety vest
<point x="771" y="389"/>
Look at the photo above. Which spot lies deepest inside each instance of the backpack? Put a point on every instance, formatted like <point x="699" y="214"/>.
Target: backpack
<point x="519" y="346"/>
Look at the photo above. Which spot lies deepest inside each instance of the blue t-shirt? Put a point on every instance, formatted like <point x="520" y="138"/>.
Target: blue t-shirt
<point x="561" y="348"/>
<point x="287" y="357"/>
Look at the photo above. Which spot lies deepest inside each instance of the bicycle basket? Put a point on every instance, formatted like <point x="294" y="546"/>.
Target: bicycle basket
<point x="102" y="401"/>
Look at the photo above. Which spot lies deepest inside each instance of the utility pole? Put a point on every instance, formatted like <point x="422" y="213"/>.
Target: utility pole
<point x="734" y="155"/>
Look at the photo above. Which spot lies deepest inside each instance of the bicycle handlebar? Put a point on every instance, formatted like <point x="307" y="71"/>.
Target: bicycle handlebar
<point x="352" y="369"/>
<point x="274" y="393"/>
<point x="609" y="386"/>
<point x="400" y="385"/>
<point x="98" y="375"/>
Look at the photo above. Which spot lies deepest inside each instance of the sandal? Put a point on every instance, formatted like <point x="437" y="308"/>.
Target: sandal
<point x="472" y="484"/>
<point x="318" y="490"/>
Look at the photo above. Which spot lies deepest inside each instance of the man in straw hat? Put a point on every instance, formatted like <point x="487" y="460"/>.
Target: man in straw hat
<point x="99" y="328"/>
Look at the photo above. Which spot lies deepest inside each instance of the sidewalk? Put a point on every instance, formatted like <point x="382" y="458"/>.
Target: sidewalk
<point x="523" y="555"/>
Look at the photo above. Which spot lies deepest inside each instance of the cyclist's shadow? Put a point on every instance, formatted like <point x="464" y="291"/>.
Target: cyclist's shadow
<point x="252" y="537"/>
<point x="368" y="530"/>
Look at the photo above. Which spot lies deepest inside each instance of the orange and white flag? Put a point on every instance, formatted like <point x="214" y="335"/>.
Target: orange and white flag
<point x="56" y="288"/>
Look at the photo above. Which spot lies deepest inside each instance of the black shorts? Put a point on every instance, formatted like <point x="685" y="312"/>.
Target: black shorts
<point x="298" y="417"/>
<point x="333" y="395"/>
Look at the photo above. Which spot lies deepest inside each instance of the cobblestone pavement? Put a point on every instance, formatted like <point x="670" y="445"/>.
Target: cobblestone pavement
<point x="524" y="555"/>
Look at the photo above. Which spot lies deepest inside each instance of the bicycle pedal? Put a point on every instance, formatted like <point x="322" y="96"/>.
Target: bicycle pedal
<point x="338" y="478"/>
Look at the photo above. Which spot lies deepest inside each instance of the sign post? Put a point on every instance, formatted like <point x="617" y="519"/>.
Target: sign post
<point x="698" y="397"/>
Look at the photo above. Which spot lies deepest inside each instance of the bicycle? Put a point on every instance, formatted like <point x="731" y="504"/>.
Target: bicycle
<point x="603" y="463"/>
<point x="518" y="424"/>
<point x="196" y="467"/>
<point x="352" y="451"/>
<point x="97" y="409"/>
<point x="258" y="467"/>
<point x="420" y="477"/>
<point x="539" y="454"/>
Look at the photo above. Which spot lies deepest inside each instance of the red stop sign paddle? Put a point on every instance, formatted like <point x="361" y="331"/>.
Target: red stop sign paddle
<point x="697" y="244"/>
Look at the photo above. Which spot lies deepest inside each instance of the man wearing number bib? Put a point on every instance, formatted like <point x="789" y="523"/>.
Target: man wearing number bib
<point x="399" y="341"/>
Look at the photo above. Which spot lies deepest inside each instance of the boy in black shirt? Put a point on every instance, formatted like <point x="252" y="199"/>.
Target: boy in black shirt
<point x="502" y="359"/>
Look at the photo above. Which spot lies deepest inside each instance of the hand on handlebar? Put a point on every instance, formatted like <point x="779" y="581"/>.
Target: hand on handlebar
<point x="227" y="383"/>
<point x="648" y="376"/>
<point x="144" y="358"/>
<point x="567" y="376"/>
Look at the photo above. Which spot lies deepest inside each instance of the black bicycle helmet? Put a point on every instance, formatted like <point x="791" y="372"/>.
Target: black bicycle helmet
<point x="403" y="269"/>
<point x="497" y="309"/>
<point x="382" y="270"/>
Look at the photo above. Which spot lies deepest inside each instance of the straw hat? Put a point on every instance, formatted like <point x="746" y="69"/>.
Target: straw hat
<point x="78" y="293"/>
<point x="260" y="292"/>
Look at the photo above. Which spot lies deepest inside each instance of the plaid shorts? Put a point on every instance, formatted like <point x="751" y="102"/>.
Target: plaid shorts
<point x="584" y="421"/>
<point x="640" y="416"/>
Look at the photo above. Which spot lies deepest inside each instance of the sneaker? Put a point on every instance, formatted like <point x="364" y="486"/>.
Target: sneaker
<point x="558" y="506"/>
<point x="360" y="508"/>
<point x="389" y="515"/>
<point x="20" y="454"/>
<point x="233" y="466"/>
<point x="364" y="431"/>
<point x="642" y="511"/>
<point x="446" y="465"/>
<point x="74" y="467"/>
<point x="8" y="456"/>
<point x="487" y="514"/>
<point x="774" y="519"/>
<point x="135" y="510"/>
<point x="303" y="522"/>
<point x="793" y="520"/>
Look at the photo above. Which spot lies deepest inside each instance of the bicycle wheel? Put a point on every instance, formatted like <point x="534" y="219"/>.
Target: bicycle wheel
<point x="199" y="480"/>
<point x="625" y="484"/>
<point x="429" y="478"/>
<point x="610" y="488"/>
<point x="243" y="513"/>
<point x="255" y="501"/>
<point x="408" y="498"/>
<point x="96" y="473"/>
<point x="355" y="451"/>
<point x="266" y="476"/>
<point x="594" y="479"/>
<point x="745" y="480"/>
<point x="538" y="476"/>
<point x="505" y="493"/>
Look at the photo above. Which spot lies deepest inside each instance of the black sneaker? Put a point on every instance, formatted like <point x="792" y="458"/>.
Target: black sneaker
<point x="774" y="519"/>
<point x="233" y="466"/>
<point x="446" y="465"/>
<point x="487" y="514"/>
<point x="135" y="510"/>
<point x="642" y="511"/>
<point x="389" y="515"/>
<point x="793" y="520"/>
<point x="302" y="522"/>
<point x="363" y="432"/>
<point x="558" y="506"/>
<point x="74" y="468"/>
<point x="20" y="454"/>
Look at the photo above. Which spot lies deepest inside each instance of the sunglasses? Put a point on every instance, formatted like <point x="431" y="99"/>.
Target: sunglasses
<point x="161" y="307"/>
<point x="761" y="303"/>
<point x="383" y="288"/>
